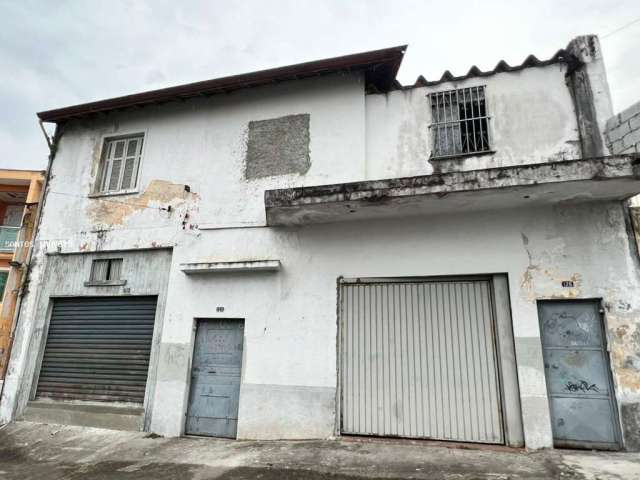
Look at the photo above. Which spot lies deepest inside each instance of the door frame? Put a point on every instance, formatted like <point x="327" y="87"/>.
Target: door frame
<point x="187" y="394"/>
<point x="617" y="425"/>
<point x="503" y="339"/>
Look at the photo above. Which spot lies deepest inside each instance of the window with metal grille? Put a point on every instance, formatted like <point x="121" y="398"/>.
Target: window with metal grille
<point x="120" y="164"/>
<point x="460" y="122"/>
<point x="106" y="271"/>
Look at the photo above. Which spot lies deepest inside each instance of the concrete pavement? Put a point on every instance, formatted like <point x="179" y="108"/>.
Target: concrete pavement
<point x="39" y="451"/>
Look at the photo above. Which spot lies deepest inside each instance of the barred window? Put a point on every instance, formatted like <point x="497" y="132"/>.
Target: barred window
<point x="120" y="164"/>
<point x="460" y="123"/>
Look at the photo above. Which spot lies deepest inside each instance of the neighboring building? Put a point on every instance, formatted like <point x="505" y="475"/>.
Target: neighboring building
<point x="317" y="250"/>
<point x="622" y="131"/>
<point x="622" y="134"/>
<point x="20" y="192"/>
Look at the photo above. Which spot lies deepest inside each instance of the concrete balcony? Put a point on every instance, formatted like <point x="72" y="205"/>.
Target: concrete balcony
<point x="594" y="179"/>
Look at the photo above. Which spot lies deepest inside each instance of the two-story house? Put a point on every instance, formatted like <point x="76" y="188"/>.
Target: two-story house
<point x="318" y="250"/>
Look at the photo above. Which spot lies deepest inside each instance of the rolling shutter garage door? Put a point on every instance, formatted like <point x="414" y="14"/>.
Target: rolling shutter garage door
<point x="418" y="360"/>
<point x="98" y="349"/>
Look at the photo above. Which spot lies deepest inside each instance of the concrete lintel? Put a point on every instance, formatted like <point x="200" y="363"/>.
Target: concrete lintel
<point x="223" y="267"/>
<point x="602" y="178"/>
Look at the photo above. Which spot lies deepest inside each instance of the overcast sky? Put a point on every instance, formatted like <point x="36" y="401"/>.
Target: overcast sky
<point x="59" y="53"/>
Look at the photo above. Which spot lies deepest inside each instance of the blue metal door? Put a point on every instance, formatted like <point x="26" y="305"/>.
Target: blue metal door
<point x="215" y="379"/>
<point x="579" y="384"/>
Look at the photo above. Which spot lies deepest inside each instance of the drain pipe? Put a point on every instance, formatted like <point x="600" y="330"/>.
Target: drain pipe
<point x="52" y="143"/>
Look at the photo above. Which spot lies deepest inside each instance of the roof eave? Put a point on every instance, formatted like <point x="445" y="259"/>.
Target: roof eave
<point x="380" y="67"/>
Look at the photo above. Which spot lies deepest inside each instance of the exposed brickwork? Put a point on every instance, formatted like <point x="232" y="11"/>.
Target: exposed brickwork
<point x="623" y="131"/>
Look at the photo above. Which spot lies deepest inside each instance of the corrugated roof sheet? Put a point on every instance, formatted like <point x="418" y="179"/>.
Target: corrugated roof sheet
<point x="561" y="56"/>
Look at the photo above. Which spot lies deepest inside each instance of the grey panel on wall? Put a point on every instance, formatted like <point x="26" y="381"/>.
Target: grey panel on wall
<point x="278" y="146"/>
<point x="578" y="375"/>
<point x="215" y="378"/>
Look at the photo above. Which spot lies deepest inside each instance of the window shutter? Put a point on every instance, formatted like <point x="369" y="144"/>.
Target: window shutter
<point x="115" y="269"/>
<point x="105" y="270"/>
<point x="99" y="270"/>
<point x="128" y="180"/>
<point x="127" y="174"/>
<point x="122" y="159"/>
<point x="114" y="178"/>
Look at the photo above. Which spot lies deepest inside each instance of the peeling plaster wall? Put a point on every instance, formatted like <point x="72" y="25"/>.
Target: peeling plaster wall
<point x="532" y="121"/>
<point x="290" y="316"/>
<point x="201" y="143"/>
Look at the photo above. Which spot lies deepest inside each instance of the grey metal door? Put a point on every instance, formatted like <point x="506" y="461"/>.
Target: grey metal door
<point x="579" y="385"/>
<point x="215" y="378"/>
<point x="418" y="359"/>
<point x="98" y="349"/>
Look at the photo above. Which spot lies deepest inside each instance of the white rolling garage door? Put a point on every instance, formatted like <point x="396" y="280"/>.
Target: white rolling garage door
<point x="418" y="360"/>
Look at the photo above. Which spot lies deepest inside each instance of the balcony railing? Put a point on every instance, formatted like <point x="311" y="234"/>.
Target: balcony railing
<point x="8" y="237"/>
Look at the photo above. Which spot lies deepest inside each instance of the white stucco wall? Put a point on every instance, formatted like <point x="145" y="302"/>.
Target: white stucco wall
<point x="200" y="143"/>
<point x="290" y="316"/>
<point x="289" y="373"/>
<point x="532" y="121"/>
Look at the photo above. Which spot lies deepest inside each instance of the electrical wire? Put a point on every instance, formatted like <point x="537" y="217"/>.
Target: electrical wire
<point x="623" y="27"/>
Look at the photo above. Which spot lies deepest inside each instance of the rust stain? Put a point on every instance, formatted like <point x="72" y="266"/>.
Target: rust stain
<point x="159" y="193"/>
<point x="621" y="331"/>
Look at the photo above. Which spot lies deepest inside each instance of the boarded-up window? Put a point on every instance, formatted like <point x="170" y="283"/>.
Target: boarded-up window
<point x="120" y="164"/>
<point x="278" y="146"/>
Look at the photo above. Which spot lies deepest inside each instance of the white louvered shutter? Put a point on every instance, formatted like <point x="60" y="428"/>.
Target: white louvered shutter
<point x="122" y="159"/>
<point x="131" y="163"/>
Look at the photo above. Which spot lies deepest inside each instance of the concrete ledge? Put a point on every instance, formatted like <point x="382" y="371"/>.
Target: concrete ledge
<point x="604" y="178"/>
<point x="223" y="267"/>
<point x="114" y="417"/>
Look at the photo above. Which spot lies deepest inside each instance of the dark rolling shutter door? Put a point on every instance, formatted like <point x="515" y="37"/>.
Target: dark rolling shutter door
<point x="98" y="349"/>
